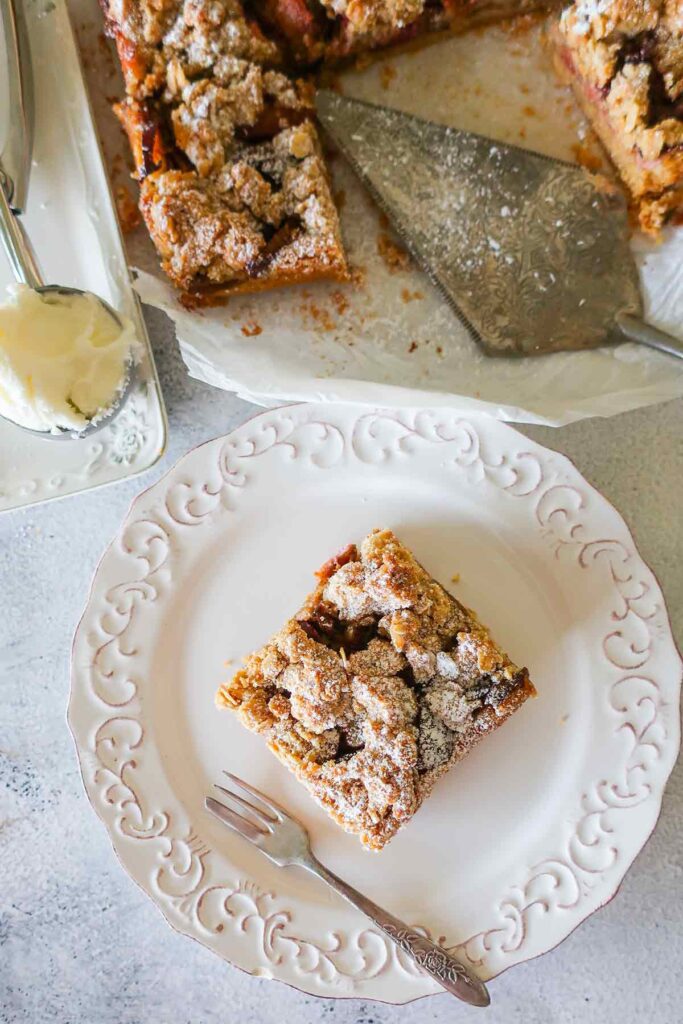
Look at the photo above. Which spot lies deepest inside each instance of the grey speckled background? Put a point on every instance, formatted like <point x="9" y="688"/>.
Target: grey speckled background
<point x="80" y="944"/>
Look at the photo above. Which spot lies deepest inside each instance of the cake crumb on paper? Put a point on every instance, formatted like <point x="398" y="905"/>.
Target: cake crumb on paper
<point x="587" y="157"/>
<point x="522" y="24"/>
<point x="357" y="276"/>
<point x="251" y="329"/>
<point x="341" y="303"/>
<point x="126" y="208"/>
<point x="386" y="75"/>
<point x="322" y="318"/>
<point x="395" y="257"/>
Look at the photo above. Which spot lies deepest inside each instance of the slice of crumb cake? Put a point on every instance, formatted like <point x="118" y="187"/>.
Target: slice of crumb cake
<point x="376" y="687"/>
<point x="234" y="189"/>
<point x="624" y="59"/>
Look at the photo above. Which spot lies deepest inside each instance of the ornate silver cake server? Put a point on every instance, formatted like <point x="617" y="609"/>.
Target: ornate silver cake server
<point x="531" y="253"/>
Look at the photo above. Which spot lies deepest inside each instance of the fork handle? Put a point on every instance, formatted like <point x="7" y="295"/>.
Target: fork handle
<point x="445" y="969"/>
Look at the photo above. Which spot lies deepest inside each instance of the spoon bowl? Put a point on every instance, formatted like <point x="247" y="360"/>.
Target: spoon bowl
<point x="24" y="264"/>
<point x="94" y="425"/>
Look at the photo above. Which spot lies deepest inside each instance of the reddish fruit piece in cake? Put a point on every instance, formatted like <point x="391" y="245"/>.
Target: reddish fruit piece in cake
<point x="376" y="687"/>
<point x="302" y="25"/>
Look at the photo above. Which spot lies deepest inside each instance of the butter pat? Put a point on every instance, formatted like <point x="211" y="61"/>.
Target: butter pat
<point x="63" y="361"/>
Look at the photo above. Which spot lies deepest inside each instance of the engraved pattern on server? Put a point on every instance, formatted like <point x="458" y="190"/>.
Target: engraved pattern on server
<point x="523" y="247"/>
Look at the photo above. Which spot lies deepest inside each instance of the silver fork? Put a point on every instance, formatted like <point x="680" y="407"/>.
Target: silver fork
<point x="285" y="841"/>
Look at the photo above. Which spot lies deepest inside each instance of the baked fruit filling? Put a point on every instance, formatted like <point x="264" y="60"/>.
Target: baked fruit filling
<point x="376" y="687"/>
<point x="625" y="61"/>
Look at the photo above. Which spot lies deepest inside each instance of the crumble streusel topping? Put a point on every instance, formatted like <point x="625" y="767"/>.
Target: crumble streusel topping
<point x="155" y="36"/>
<point x="190" y="35"/>
<point x="207" y="30"/>
<point x="210" y="111"/>
<point x="376" y="687"/>
<point x="268" y="206"/>
<point x="369" y="15"/>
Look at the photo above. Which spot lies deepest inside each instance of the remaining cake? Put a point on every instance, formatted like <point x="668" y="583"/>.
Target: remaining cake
<point x="625" y="61"/>
<point x="376" y="687"/>
<point x="233" y="187"/>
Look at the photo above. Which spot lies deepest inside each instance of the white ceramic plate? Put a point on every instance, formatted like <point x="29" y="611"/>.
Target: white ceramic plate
<point x="520" y="842"/>
<point x="73" y="227"/>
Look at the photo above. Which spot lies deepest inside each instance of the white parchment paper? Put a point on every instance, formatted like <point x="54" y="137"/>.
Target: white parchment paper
<point x="389" y="338"/>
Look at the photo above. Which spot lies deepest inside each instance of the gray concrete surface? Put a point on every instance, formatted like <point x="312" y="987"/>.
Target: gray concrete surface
<point x="81" y="944"/>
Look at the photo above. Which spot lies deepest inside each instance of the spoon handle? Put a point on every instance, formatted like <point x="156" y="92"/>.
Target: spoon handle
<point x="636" y="330"/>
<point x="18" y="148"/>
<point x="16" y="158"/>
<point x="16" y="244"/>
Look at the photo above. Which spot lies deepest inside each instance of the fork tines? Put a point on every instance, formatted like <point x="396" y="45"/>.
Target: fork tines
<point x="261" y="814"/>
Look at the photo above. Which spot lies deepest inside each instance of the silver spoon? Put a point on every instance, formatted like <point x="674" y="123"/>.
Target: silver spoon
<point x="14" y="174"/>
